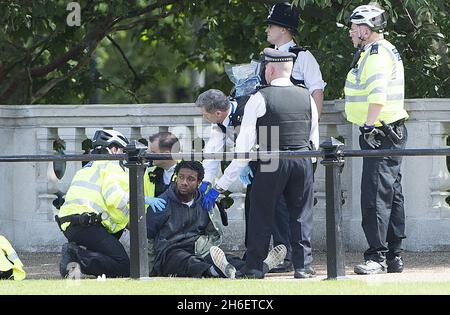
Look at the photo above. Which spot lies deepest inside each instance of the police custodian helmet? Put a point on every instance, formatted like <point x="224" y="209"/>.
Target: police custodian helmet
<point x="284" y="15"/>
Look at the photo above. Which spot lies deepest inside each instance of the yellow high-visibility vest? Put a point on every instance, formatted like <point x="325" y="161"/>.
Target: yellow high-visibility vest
<point x="149" y="187"/>
<point x="9" y="260"/>
<point x="378" y="78"/>
<point x="99" y="187"/>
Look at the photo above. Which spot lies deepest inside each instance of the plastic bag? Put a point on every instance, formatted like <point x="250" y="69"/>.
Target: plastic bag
<point x="245" y="77"/>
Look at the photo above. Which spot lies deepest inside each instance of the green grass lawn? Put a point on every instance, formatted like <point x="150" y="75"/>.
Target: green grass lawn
<point x="174" y="286"/>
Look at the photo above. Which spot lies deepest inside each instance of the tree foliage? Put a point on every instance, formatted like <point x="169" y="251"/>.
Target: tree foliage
<point x="152" y="51"/>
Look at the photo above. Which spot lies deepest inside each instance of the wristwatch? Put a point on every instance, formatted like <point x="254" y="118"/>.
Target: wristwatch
<point x="219" y="189"/>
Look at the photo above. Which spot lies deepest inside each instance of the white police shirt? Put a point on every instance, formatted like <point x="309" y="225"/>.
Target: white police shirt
<point x="168" y="174"/>
<point x="246" y="140"/>
<point x="306" y="69"/>
<point x="218" y="142"/>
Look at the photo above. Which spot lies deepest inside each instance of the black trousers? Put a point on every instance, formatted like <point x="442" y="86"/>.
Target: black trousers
<point x="183" y="262"/>
<point x="293" y="179"/>
<point x="281" y="233"/>
<point x="382" y="202"/>
<point x="104" y="254"/>
<point x="6" y="274"/>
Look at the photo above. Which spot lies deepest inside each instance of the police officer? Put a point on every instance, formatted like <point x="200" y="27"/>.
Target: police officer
<point x="283" y="21"/>
<point x="10" y="265"/>
<point x="161" y="174"/>
<point x="95" y="213"/>
<point x="225" y="116"/>
<point x="374" y="101"/>
<point x="287" y="108"/>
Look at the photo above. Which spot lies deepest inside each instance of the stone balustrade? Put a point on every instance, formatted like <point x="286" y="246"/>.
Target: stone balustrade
<point x="26" y="215"/>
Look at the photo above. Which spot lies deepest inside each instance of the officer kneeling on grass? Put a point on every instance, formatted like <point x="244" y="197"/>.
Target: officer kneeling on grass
<point x="95" y="213"/>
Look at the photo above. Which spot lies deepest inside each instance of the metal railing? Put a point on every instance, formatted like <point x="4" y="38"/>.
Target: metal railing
<point x="136" y="158"/>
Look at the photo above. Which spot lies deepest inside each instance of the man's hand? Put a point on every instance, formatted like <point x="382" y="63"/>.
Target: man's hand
<point x="157" y="204"/>
<point x="209" y="199"/>
<point x="369" y="134"/>
<point x="204" y="187"/>
<point x="246" y="175"/>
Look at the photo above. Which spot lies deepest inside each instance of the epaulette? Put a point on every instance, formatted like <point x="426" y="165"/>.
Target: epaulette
<point x="374" y="49"/>
<point x="262" y="86"/>
<point x="297" y="49"/>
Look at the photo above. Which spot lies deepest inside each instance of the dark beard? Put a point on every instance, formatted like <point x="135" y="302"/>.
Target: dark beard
<point x="185" y="197"/>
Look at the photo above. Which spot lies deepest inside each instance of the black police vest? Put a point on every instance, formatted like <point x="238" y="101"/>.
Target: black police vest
<point x="296" y="50"/>
<point x="288" y="109"/>
<point x="236" y="117"/>
<point x="157" y="177"/>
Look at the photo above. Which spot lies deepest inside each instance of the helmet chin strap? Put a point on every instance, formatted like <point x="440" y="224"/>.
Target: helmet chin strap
<point x="358" y="51"/>
<point x="361" y="39"/>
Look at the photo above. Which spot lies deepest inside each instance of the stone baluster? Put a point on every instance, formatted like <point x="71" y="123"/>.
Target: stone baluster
<point x="439" y="178"/>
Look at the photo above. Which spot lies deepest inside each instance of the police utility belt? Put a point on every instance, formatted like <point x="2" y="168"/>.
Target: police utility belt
<point x="84" y="219"/>
<point x="295" y="148"/>
<point x="393" y="130"/>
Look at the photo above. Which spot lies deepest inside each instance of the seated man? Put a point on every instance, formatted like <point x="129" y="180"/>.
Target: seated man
<point x="186" y="236"/>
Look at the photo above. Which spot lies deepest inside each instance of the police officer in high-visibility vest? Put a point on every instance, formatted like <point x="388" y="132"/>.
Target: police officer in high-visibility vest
<point x="95" y="213"/>
<point x="161" y="174"/>
<point x="374" y="101"/>
<point x="10" y="265"/>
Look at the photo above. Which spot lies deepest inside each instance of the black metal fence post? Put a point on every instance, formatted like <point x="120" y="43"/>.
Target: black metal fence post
<point x="334" y="163"/>
<point x="138" y="224"/>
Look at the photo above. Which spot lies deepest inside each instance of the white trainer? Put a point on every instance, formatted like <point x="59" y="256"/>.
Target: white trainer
<point x="370" y="267"/>
<point x="275" y="257"/>
<point x="220" y="261"/>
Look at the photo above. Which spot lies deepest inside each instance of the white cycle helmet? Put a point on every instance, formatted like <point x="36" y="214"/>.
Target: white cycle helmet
<point x="105" y="138"/>
<point x="370" y="15"/>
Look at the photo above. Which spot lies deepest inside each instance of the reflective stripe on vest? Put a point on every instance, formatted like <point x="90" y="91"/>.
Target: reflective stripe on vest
<point x="92" y="205"/>
<point x="87" y="185"/>
<point x="85" y="202"/>
<point x="389" y="91"/>
<point x="12" y="256"/>
<point x="9" y="260"/>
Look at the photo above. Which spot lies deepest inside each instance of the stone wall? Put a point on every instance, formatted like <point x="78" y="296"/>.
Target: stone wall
<point x="26" y="215"/>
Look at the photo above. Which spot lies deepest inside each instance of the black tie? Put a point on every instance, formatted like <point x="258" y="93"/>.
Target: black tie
<point x="222" y="127"/>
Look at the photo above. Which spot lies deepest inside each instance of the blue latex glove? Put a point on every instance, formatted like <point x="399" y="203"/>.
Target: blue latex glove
<point x="157" y="204"/>
<point x="209" y="199"/>
<point x="204" y="186"/>
<point x="246" y="175"/>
